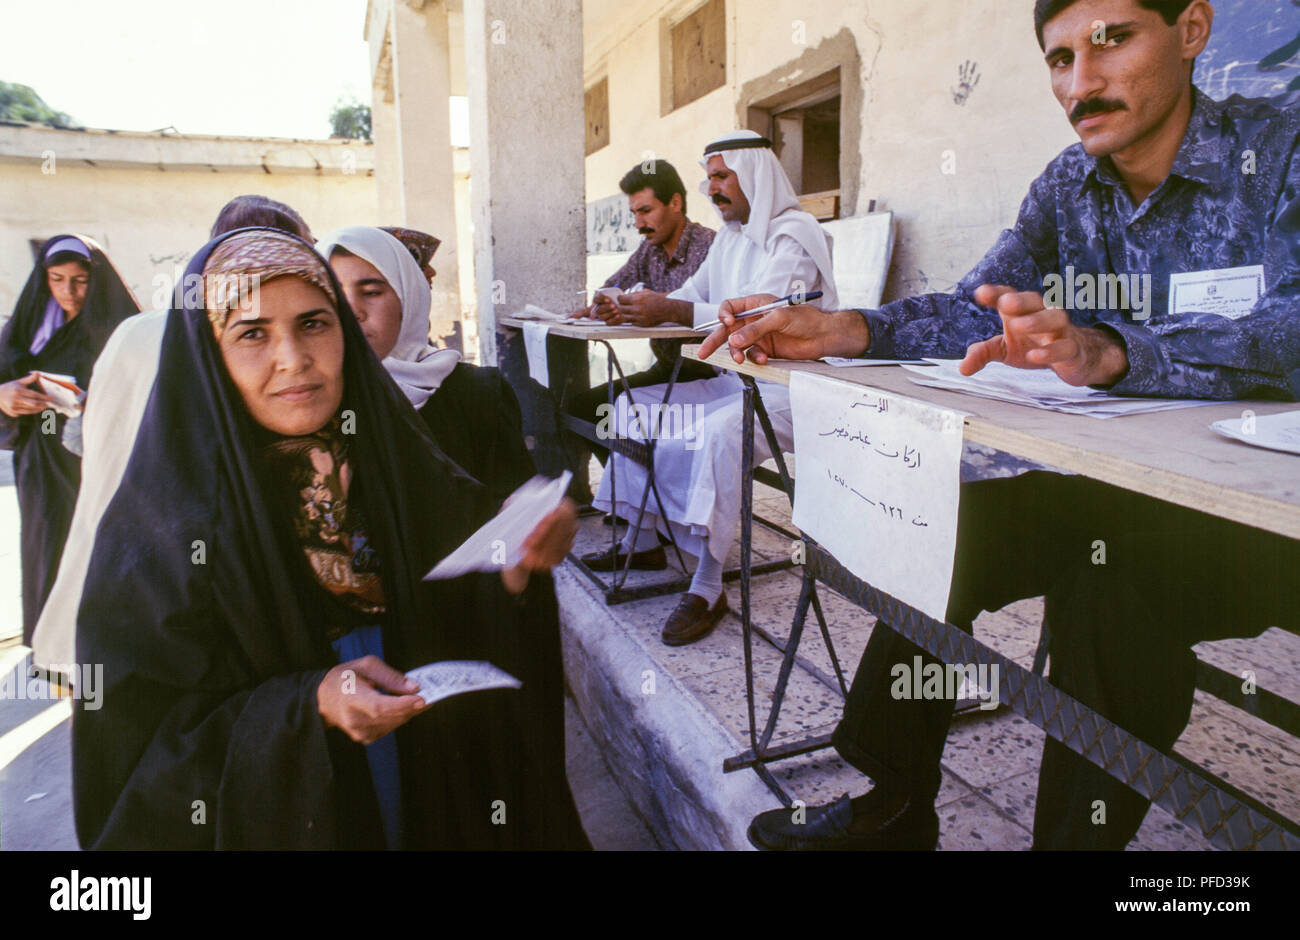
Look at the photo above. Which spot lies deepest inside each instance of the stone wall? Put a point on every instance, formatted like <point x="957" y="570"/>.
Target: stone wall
<point x="150" y="200"/>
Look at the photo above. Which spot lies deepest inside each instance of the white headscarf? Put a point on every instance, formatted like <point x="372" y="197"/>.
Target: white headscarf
<point x="774" y="208"/>
<point x="417" y="365"/>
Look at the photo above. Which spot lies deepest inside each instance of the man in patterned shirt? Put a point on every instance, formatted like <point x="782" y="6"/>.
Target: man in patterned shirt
<point x="673" y="248"/>
<point x="1164" y="182"/>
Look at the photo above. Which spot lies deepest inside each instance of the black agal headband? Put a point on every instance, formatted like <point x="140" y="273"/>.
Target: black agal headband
<point x="744" y="143"/>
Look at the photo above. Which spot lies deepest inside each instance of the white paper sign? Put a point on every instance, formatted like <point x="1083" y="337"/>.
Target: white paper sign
<point x="878" y="485"/>
<point x="535" y="348"/>
<point x="1229" y="292"/>
<point x="450" y="677"/>
<point x="860" y="251"/>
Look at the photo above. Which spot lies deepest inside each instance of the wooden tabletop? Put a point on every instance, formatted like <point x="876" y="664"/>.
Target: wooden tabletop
<point x="596" y="331"/>
<point x="1171" y="455"/>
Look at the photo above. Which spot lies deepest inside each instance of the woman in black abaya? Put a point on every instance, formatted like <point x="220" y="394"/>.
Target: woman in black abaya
<point x="72" y="301"/>
<point x="277" y="513"/>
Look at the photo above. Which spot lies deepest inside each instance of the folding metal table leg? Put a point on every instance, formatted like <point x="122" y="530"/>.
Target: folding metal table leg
<point x="760" y="754"/>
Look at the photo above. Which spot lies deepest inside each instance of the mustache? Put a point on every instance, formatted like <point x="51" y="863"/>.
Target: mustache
<point x="720" y="199"/>
<point x="1093" y="106"/>
<point x="645" y="231"/>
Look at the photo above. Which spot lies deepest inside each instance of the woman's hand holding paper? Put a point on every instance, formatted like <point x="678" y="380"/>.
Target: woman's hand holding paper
<point x="20" y="397"/>
<point x="546" y="546"/>
<point x="366" y="699"/>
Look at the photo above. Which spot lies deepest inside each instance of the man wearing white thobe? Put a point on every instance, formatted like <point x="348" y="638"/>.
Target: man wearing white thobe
<point x="768" y="244"/>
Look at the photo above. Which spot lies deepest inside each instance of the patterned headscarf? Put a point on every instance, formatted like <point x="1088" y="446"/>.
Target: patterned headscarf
<point x="421" y="245"/>
<point x="244" y="261"/>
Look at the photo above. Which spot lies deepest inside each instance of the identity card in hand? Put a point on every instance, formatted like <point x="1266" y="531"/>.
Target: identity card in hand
<point x="450" y="677"/>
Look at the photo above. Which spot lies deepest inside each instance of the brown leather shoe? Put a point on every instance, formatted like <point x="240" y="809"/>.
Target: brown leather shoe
<point x="652" y="559"/>
<point x="692" y="619"/>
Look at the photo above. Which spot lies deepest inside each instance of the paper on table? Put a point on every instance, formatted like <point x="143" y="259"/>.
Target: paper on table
<point x="878" y="485"/>
<point x="613" y="293"/>
<point x="535" y="349"/>
<point x="1273" y="432"/>
<point x="1038" y="388"/>
<point x="499" y="543"/>
<point x="843" y="363"/>
<point x="533" y="312"/>
<point x="63" y="389"/>
<point x="450" y="677"/>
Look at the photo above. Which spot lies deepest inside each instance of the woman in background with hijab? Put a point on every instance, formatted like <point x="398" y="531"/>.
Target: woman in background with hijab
<point x="470" y="410"/>
<point x="254" y="546"/>
<point x="72" y="301"/>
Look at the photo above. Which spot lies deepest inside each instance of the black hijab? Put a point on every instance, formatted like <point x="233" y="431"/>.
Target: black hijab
<point x="46" y="473"/>
<point x="108" y="302"/>
<point x="199" y="603"/>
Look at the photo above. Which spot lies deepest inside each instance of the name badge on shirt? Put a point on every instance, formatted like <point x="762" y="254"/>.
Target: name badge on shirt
<point x="1230" y="292"/>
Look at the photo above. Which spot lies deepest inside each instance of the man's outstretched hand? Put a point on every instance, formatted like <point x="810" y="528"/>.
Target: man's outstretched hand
<point x="1038" y="337"/>
<point x="801" y="332"/>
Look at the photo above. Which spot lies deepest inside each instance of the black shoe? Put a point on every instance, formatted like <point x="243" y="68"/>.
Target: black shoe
<point x="652" y="559"/>
<point x="842" y="826"/>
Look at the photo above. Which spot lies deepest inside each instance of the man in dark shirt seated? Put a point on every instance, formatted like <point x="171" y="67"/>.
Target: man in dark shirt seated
<point x="672" y="250"/>
<point x="1165" y="182"/>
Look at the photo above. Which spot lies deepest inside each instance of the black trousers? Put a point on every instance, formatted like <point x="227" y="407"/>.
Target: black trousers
<point x="1121" y="632"/>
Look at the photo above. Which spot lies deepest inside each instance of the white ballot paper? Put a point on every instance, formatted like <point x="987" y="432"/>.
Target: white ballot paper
<point x="498" y="544"/>
<point x="64" y="391"/>
<point x="450" y="677"/>
<point x="1274" y="432"/>
<point x="878" y="485"/>
<point x="613" y="293"/>
<point x="535" y="349"/>
<point x="1039" y="388"/>
<point x="1229" y="292"/>
<point x="842" y="363"/>
<point x="533" y="312"/>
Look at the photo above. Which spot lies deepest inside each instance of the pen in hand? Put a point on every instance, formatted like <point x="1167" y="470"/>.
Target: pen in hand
<point x="793" y="300"/>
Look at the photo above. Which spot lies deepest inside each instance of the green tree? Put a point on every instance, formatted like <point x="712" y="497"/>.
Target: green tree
<point x="21" y="103"/>
<point x="350" y="118"/>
